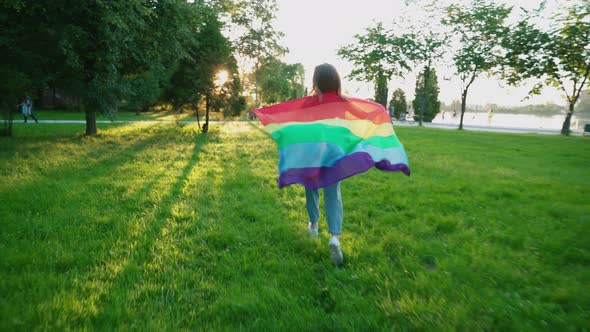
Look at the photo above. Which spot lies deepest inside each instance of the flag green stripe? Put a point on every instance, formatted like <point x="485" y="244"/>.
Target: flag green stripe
<point x="341" y="136"/>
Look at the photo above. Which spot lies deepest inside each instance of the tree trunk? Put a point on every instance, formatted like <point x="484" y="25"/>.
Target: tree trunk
<point x="565" y="128"/>
<point x="90" y="119"/>
<point x="6" y="129"/>
<point x="381" y="90"/>
<point x="424" y="94"/>
<point x="422" y="106"/>
<point x="206" y="125"/>
<point x="196" y="107"/>
<point x="255" y="87"/>
<point x="463" y="106"/>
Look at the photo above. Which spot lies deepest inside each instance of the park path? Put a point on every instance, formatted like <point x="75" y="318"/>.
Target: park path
<point x="487" y="128"/>
<point x="395" y="123"/>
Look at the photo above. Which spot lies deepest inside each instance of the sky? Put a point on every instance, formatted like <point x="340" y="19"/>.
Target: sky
<point x="315" y="29"/>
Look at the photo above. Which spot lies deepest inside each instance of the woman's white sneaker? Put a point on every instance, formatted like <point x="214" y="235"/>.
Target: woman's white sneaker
<point x="335" y="251"/>
<point x="313" y="231"/>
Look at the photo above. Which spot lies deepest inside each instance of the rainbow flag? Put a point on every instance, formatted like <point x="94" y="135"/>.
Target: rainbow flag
<point x="323" y="140"/>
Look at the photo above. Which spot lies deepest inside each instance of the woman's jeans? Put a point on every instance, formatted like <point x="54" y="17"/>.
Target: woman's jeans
<point x="332" y="203"/>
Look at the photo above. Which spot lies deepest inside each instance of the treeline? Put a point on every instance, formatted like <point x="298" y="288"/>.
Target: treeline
<point x="478" y="38"/>
<point x="142" y="53"/>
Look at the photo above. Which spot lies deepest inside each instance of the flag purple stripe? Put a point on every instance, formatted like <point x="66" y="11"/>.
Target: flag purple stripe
<point x="319" y="177"/>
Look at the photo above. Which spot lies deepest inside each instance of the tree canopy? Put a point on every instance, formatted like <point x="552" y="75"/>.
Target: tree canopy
<point x="377" y="55"/>
<point x="480" y="27"/>
<point x="258" y="40"/>
<point x="557" y="57"/>
<point x="426" y="95"/>
<point x="398" y="103"/>
<point x="106" y="51"/>
<point x="280" y="81"/>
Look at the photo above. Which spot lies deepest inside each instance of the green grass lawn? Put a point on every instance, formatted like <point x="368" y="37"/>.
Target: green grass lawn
<point x="156" y="227"/>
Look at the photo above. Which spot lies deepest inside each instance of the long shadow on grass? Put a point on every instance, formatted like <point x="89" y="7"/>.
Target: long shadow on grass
<point x="62" y="186"/>
<point x="214" y="251"/>
<point x="81" y="211"/>
<point x="102" y="169"/>
<point x="123" y="247"/>
<point x="93" y="158"/>
<point x="116" y="298"/>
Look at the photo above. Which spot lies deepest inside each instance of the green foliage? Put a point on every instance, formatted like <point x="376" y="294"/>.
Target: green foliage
<point x="230" y="96"/>
<point x="100" y="51"/>
<point x="257" y="38"/>
<point x="12" y="85"/>
<point x="399" y="104"/>
<point x="381" y="90"/>
<point x="208" y="53"/>
<point x="280" y="81"/>
<point x="481" y="28"/>
<point x="559" y="57"/>
<point x="144" y="89"/>
<point x="377" y="55"/>
<point x="260" y="39"/>
<point x="153" y="227"/>
<point x="20" y="65"/>
<point x="426" y="103"/>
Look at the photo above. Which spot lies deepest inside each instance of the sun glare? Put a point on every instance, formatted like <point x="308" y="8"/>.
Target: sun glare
<point x="221" y="78"/>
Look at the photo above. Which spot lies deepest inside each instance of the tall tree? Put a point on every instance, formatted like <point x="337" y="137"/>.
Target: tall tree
<point x="430" y="46"/>
<point x="430" y="42"/>
<point x="209" y="52"/>
<point x="23" y="56"/>
<point x="480" y="27"/>
<point x="280" y="81"/>
<point x="93" y="49"/>
<point x="560" y="57"/>
<point x="427" y="95"/>
<point x="104" y="42"/>
<point x="398" y="103"/>
<point x="258" y="38"/>
<point x="377" y="55"/>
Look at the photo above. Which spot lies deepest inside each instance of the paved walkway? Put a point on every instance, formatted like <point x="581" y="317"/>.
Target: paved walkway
<point x="395" y="123"/>
<point x="487" y="128"/>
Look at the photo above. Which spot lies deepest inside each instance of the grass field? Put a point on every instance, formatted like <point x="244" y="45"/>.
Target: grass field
<point x="156" y="227"/>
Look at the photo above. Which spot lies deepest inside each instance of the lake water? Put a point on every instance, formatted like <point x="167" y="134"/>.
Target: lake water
<point x="511" y="120"/>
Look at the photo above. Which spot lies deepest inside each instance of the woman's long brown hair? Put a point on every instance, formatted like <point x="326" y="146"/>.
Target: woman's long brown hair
<point x="326" y="79"/>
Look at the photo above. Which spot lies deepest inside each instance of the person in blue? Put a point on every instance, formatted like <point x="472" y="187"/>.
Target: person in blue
<point x="26" y="108"/>
<point x="325" y="80"/>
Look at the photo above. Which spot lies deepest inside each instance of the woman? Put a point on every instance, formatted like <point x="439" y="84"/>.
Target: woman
<point x="326" y="80"/>
<point x="325" y="138"/>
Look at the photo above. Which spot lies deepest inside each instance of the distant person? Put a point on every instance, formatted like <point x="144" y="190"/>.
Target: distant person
<point x="251" y="115"/>
<point x="405" y="115"/>
<point x="26" y="108"/>
<point x="454" y="113"/>
<point x="443" y="115"/>
<point x="490" y="116"/>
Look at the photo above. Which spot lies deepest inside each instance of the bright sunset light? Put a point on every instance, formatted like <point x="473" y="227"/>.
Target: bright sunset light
<point x="311" y="45"/>
<point x="221" y="77"/>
